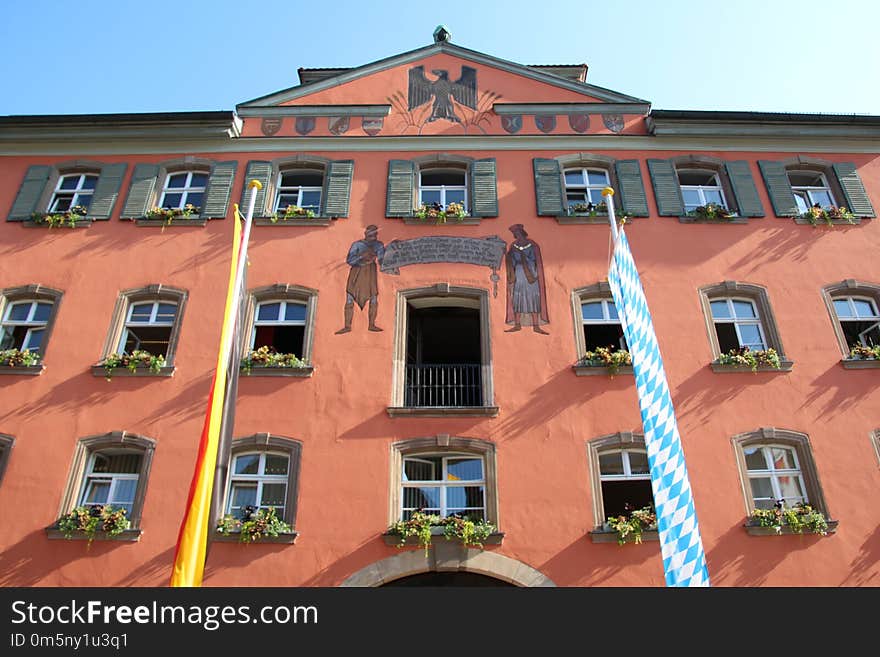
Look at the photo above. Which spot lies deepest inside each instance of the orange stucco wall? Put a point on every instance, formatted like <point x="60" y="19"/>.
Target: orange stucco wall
<point x="547" y="414"/>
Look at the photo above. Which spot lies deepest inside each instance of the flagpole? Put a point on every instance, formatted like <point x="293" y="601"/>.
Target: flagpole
<point x="608" y="195"/>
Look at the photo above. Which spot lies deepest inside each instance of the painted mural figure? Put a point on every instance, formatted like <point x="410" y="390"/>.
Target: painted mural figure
<point x="526" y="294"/>
<point x="363" y="278"/>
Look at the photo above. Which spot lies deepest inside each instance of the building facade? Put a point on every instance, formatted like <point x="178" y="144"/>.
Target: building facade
<point x="430" y="244"/>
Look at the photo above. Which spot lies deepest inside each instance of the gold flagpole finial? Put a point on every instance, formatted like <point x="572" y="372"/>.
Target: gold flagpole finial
<point x="255" y="184"/>
<point x="607" y="192"/>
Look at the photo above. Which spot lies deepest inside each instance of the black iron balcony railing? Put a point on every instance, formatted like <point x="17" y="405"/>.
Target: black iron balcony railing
<point x="443" y="385"/>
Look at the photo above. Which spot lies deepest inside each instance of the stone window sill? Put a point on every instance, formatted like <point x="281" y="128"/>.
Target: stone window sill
<point x="98" y="370"/>
<point x="860" y="363"/>
<point x="393" y="540"/>
<point x="608" y="536"/>
<point x="301" y="372"/>
<point x="582" y="219"/>
<point x="601" y="370"/>
<point x="176" y="223"/>
<point x="30" y="370"/>
<point x="80" y="223"/>
<point x="413" y="220"/>
<point x="784" y="366"/>
<point x="288" y="538"/>
<point x="756" y="530"/>
<point x="129" y="535"/>
<point x="299" y="221"/>
<point x="834" y="222"/>
<point x="700" y="220"/>
<point x="443" y="411"/>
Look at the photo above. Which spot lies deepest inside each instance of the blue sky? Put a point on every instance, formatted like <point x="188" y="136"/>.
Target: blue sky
<point x="102" y="56"/>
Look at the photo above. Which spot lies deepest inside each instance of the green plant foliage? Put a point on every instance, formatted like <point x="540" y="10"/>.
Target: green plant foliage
<point x="89" y="520"/>
<point x="266" y="356"/>
<point x="256" y="524"/>
<point x="469" y="532"/>
<point x="861" y="352"/>
<point x="136" y="359"/>
<point x="608" y="357"/>
<point x="16" y="358"/>
<point x="588" y="209"/>
<point x="817" y="214"/>
<point x="799" y="518"/>
<point x="170" y="214"/>
<point x="711" y="211"/>
<point x="291" y="212"/>
<point x="633" y="523"/>
<point x="751" y="358"/>
<point x="438" y="214"/>
<point x="56" y="219"/>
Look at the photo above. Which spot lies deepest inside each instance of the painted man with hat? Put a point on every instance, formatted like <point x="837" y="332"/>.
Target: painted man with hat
<point x="526" y="296"/>
<point x="363" y="279"/>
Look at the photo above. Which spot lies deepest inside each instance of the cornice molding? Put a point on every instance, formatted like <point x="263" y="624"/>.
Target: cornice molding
<point x="316" y="110"/>
<point x="530" y="109"/>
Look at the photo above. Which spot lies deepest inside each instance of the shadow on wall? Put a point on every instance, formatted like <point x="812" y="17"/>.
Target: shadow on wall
<point x="840" y="397"/>
<point x="603" y="562"/>
<point x="864" y="571"/>
<point x="368" y="552"/>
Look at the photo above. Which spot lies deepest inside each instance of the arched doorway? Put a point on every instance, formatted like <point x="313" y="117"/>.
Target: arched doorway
<point x="448" y="579"/>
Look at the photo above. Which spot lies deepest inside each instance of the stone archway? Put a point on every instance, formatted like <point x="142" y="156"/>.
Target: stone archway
<point x="448" y="558"/>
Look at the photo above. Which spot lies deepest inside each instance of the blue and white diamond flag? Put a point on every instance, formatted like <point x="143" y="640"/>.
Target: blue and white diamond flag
<point x="684" y="562"/>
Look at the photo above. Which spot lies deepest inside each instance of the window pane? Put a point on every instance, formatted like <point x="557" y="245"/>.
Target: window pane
<point x="761" y="487"/>
<point x="720" y="310"/>
<point x="843" y="308"/>
<point x="592" y="310"/>
<point x="597" y="178"/>
<point x="268" y="311"/>
<point x="421" y="469"/>
<point x="172" y="200"/>
<point x="276" y="465"/>
<point x="805" y="179"/>
<point x="141" y="312"/>
<point x="790" y="489"/>
<point x="247" y="464"/>
<point x="574" y="177"/>
<point x="123" y="492"/>
<point x="612" y="310"/>
<point x="464" y="469"/>
<point x="426" y="497"/>
<point x="432" y="178"/>
<point x="34" y="339"/>
<point x="638" y="463"/>
<point x="576" y="197"/>
<point x="463" y="497"/>
<point x="244" y="495"/>
<point x="302" y="179"/>
<point x="295" y="312"/>
<point x="863" y="308"/>
<point x="691" y="197"/>
<point x="19" y="312"/>
<point x="199" y="180"/>
<point x="751" y="336"/>
<point x="783" y="459"/>
<point x="287" y="199"/>
<point x="311" y="200"/>
<point x="42" y="312"/>
<point x="454" y="196"/>
<point x="744" y="310"/>
<point x="166" y="313"/>
<point x="713" y="196"/>
<point x="194" y="198"/>
<point x="69" y="182"/>
<point x="273" y="495"/>
<point x="430" y="196"/>
<point x="176" y="181"/>
<point x="821" y="197"/>
<point x="611" y="463"/>
<point x="803" y="201"/>
<point x="90" y="182"/>
<point x="97" y="491"/>
<point x="696" y="178"/>
<point x="125" y="463"/>
<point x="755" y="458"/>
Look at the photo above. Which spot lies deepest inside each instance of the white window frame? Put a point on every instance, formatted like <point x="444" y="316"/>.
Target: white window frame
<point x="29" y="321"/>
<point x="736" y="321"/>
<point x="153" y="321"/>
<point x="628" y="474"/>
<point x="77" y="194"/>
<point x="298" y="190"/>
<point x="586" y="187"/>
<point x="114" y="478"/>
<point x="774" y="473"/>
<point x="282" y="311"/>
<point x="184" y="191"/>
<point x="803" y="194"/>
<point x="855" y="317"/>
<point x="444" y="188"/>
<point x="260" y="479"/>
<point x="443" y="483"/>
<point x="606" y="320"/>
<point x="701" y="189"/>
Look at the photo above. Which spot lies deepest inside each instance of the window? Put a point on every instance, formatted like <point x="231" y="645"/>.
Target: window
<point x="282" y="319"/>
<point x="859" y="320"/>
<point x="777" y="464"/>
<point x="810" y="188"/>
<point x="739" y="315"/>
<point x="73" y="189"/>
<point x="584" y="186"/>
<point x="442" y="352"/>
<point x="111" y="468"/>
<point x="442" y="186"/>
<point x="601" y="325"/>
<point x="148" y="327"/>
<point x="184" y="188"/>
<point x="263" y="473"/>
<point x="6" y="443"/>
<point x="300" y="188"/>
<point x="699" y="188"/>
<point x="444" y="475"/>
<point x="27" y="314"/>
<point x="24" y="324"/>
<point x="442" y="179"/>
<point x="737" y="324"/>
<point x="147" y="319"/>
<point x="619" y="475"/>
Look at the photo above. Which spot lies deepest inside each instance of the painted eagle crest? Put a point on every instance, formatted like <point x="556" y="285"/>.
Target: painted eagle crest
<point x="443" y="90"/>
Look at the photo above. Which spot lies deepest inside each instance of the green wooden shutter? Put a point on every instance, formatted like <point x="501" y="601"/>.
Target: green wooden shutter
<point x="548" y="187"/>
<point x="141" y="191"/>
<point x="779" y="188"/>
<point x="337" y="188"/>
<point x="219" y="188"/>
<point x="667" y="191"/>
<point x="399" y="200"/>
<point x="748" y="203"/>
<point x="106" y="191"/>
<point x="32" y="188"/>
<point x="633" y="198"/>
<point x="256" y="170"/>
<point x="857" y="200"/>
<point x="484" y="188"/>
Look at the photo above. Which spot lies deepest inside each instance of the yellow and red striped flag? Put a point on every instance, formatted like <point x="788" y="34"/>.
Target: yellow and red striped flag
<point x="192" y="539"/>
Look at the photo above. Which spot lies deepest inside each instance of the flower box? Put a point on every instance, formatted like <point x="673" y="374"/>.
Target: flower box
<point x="15" y="361"/>
<point x="423" y="528"/>
<point x="604" y="360"/>
<point x="95" y="521"/>
<point x="265" y="361"/>
<point x="74" y="217"/>
<point x="257" y="526"/>
<point x="439" y="215"/>
<point x="830" y="216"/>
<point x="800" y="519"/>
<point x="631" y="526"/>
<point x="753" y="360"/>
<point x="188" y="215"/>
<point x="137" y="363"/>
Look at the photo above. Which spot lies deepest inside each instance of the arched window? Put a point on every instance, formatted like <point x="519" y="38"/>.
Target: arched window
<point x="73" y="189"/>
<point x="700" y="187"/>
<point x="854" y="308"/>
<point x="299" y="188"/>
<point x="620" y="477"/>
<point x="27" y="314"/>
<point x="282" y="320"/>
<point x="184" y="188"/>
